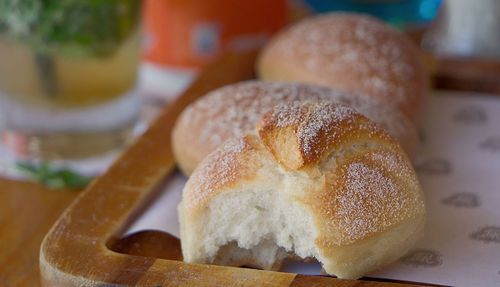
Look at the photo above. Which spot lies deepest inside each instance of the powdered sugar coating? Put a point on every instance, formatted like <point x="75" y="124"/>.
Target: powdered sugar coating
<point x="369" y="187"/>
<point x="371" y="193"/>
<point x="349" y="51"/>
<point x="318" y="127"/>
<point x="313" y="120"/>
<point x="220" y="168"/>
<point x="234" y="110"/>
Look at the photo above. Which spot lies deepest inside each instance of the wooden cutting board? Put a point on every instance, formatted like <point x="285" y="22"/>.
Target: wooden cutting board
<point x="81" y="249"/>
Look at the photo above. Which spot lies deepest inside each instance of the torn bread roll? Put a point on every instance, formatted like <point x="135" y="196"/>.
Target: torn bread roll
<point x="318" y="180"/>
<point x="353" y="52"/>
<point x="234" y="110"/>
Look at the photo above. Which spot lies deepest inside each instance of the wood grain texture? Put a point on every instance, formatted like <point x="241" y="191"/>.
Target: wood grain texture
<point x="27" y="211"/>
<point x="158" y="244"/>
<point x="317" y="281"/>
<point x="460" y="73"/>
<point x="81" y="249"/>
<point x="74" y="252"/>
<point x="149" y="243"/>
<point x="467" y="74"/>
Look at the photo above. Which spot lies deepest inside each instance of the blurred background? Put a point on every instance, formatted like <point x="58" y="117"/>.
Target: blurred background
<point x="80" y="79"/>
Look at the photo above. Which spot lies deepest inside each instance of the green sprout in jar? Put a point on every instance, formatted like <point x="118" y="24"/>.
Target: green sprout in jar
<point x="73" y="28"/>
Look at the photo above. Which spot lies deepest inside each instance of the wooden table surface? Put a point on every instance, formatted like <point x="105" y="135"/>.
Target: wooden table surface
<point x="27" y="211"/>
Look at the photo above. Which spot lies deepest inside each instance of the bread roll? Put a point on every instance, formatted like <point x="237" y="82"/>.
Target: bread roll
<point x="318" y="180"/>
<point x="352" y="52"/>
<point x="235" y="109"/>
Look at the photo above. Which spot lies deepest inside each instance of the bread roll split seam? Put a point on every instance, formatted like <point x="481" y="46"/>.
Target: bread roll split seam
<point x="234" y="110"/>
<point x="316" y="180"/>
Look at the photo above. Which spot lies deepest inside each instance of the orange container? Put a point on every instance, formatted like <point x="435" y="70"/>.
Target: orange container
<point x="189" y="33"/>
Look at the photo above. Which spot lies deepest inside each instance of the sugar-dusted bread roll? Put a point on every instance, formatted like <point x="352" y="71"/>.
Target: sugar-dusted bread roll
<point x="353" y="52"/>
<point x="235" y="109"/>
<point x="318" y="180"/>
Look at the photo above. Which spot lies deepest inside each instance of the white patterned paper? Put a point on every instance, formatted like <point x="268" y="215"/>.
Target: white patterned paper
<point x="459" y="169"/>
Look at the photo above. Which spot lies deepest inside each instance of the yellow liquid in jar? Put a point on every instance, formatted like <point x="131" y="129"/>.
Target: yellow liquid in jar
<point x="77" y="82"/>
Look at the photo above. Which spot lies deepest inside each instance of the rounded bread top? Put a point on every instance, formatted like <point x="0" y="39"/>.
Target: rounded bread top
<point x="355" y="178"/>
<point x="233" y="110"/>
<point x="354" y="52"/>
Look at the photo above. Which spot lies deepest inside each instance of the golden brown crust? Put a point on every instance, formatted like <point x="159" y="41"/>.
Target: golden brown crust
<point x="300" y="133"/>
<point x="234" y="110"/>
<point x="371" y="187"/>
<point x="221" y="169"/>
<point x="348" y="174"/>
<point x="371" y="191"/>
<point x="352" y="52"/>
